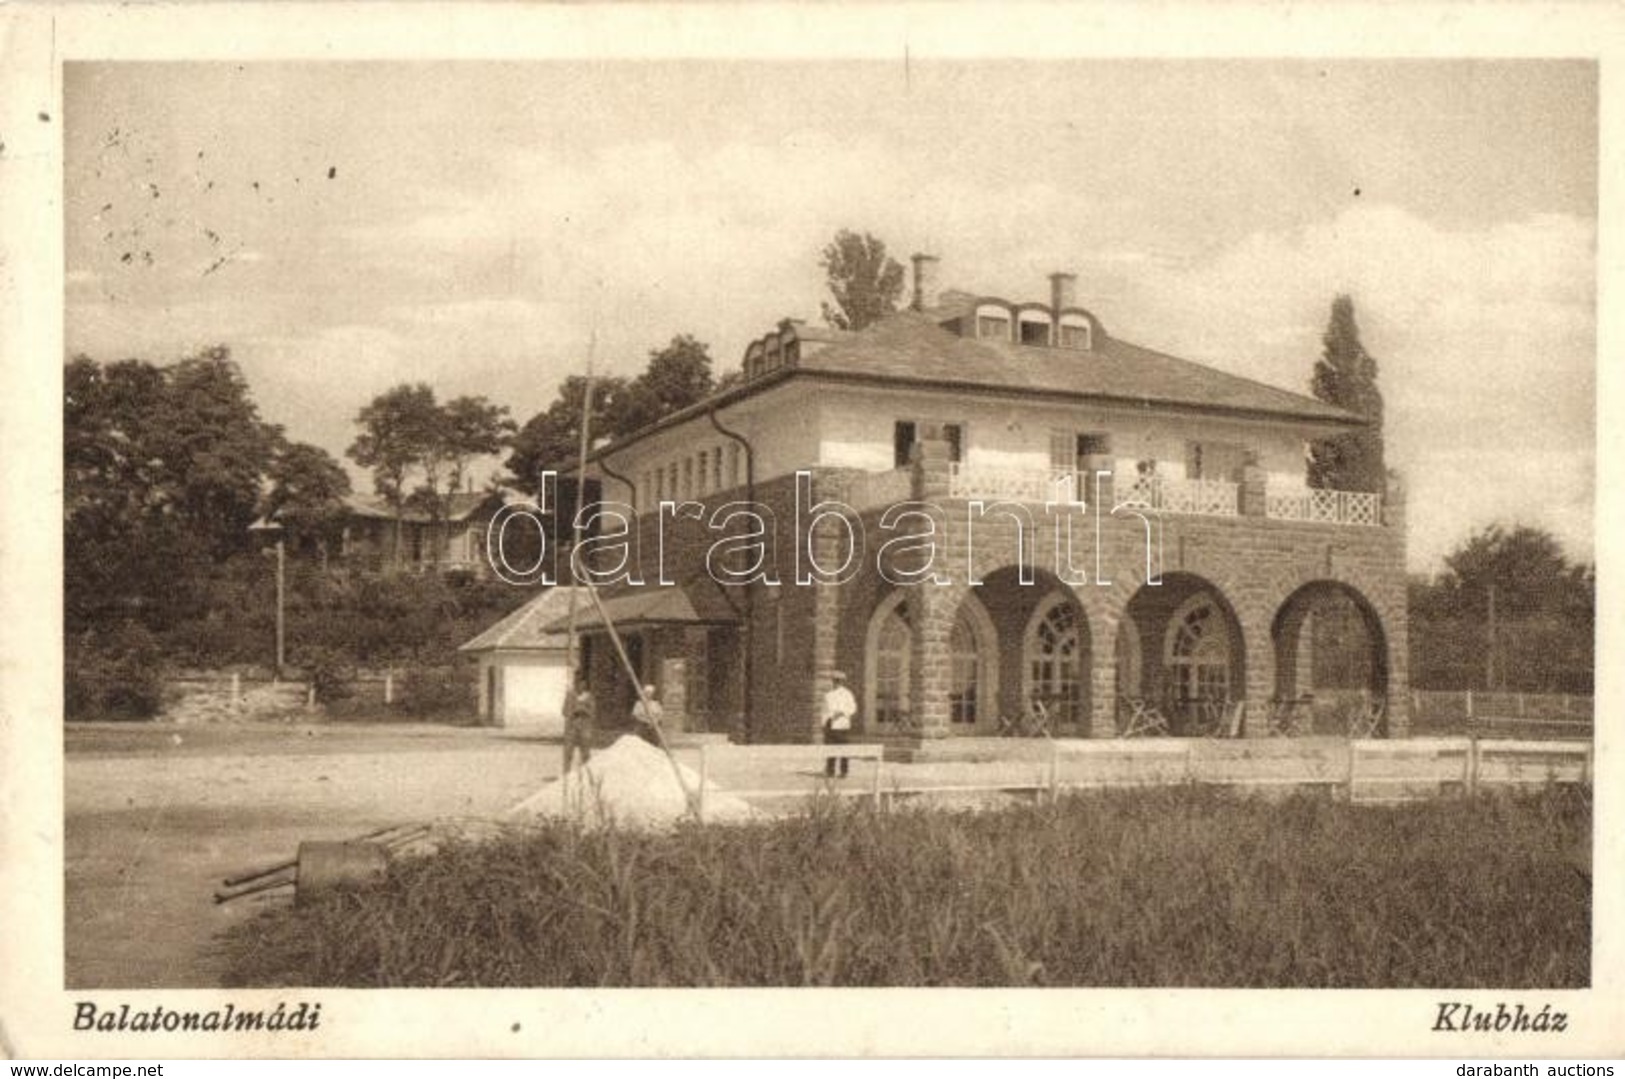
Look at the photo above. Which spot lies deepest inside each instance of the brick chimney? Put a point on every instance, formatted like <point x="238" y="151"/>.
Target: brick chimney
<point x="1063" y="293"/>
<point x="926" y="283"/>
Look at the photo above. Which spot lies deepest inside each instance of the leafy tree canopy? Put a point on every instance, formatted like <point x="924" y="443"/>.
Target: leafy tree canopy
<point x="864" y="281"/>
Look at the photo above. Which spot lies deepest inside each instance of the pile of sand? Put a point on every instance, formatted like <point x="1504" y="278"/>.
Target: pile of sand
<point x="631" y="784"/>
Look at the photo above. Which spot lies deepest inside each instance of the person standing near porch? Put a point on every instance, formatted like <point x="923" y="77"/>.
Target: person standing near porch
<point x="580" y="725"/>
<point x="646" y="720"/>
<point x="839" y="708"/>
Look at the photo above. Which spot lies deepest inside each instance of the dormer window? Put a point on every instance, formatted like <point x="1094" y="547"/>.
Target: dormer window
<point x="1076" y="332"/>
<point x="992" y="323"/>
<point x="1034" y="328"/>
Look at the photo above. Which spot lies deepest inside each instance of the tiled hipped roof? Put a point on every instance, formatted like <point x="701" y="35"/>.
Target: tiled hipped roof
<point x="529" y="627"/>
<point x="912" y="347"/>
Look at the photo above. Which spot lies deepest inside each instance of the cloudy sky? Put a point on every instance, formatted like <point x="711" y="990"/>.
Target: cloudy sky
<point x="344" y="227"/>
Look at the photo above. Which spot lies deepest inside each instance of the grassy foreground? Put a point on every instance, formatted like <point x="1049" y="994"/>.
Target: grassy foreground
<point x="1174" y="887"/>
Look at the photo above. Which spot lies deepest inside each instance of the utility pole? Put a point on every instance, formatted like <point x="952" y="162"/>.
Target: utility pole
<point x="280" y="592"/>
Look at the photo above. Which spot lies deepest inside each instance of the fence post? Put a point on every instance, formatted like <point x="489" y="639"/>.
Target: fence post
<point x="236" y="690"/>
<point x="1471" y="781"/>
<point x="705" y="770"/>
<point x="1469" y="707"/>
<point x="389" y="687"/>
<point x="310" y="697"/>
<point x="880" y="766"/>
<point x="1522" y="714"/>
<point x="1354" y="754"/>
<point x="1054" y="772"/>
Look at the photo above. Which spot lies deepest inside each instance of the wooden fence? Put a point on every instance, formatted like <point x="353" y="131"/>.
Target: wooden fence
<point x="1372" y="771"/>
<point x="1529" y="715"/>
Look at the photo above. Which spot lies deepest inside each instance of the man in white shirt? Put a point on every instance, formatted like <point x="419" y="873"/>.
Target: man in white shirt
<point x="839" y="709"/>
<point x="646" y="720"/>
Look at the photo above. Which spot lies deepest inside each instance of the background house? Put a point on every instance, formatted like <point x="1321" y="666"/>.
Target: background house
<point x="371" y="538"/>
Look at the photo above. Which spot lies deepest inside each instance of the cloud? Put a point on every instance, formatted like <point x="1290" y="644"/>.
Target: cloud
<point x="1485" y="340"/>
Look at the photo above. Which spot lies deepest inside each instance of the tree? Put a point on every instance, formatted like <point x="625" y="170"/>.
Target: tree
<point x="398" y="428"/>
<point x="307" y="494"/>
<point x="1346" y="376"/>
<point x="162" y="470"/>
<point x="677" y="376"/>
<point x="1540" y="634"/>
<point x="551" y="440"/>
<point x="472" y="427"/>
<point x="864" y="280"/>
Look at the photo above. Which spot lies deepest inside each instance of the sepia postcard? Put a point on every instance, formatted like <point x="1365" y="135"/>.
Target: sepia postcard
<point x="930" y="530"/>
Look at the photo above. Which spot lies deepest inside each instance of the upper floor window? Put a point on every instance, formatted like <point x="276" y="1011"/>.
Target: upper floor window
<point x="993" y="322"/>
<point x="1033" y="328"/>
<point x="1075" y="332"/>
<point x="905" y="433"/>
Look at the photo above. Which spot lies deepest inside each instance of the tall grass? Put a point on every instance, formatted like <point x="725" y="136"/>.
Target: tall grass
<point x="1175" y="887"/>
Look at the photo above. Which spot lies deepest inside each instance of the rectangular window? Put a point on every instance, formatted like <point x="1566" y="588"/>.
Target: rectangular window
<point x="1034" y="333"/>
<point x="688" y="477"/>
<point x="954" y="435"/>
<point x="702" y="472"/>
<point x="716" y="469"/>
<point x="1074" y="336"/>
<point x="1094" y="445"/>
<point x="991" y="327"/>
<point x="904" y="435"/>
<point x="1193" y="460"/>
<point x="737" y="458"/>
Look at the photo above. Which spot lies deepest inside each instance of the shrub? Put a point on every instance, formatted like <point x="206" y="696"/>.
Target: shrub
<point x="330" y="672"/>
<point x="118" y="676"/>
<point x="437" y="691"/>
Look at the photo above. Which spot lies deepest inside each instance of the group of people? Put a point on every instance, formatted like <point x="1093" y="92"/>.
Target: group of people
<point x="581" y="722"/>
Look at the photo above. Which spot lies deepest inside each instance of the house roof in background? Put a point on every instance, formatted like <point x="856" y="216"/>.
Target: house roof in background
<point x="527" y="628"/>
<point x="461" y="506"/>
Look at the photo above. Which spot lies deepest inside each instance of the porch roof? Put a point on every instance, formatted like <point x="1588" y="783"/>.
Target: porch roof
<point x="528" y="627"/>
<point x="695" y="603"/>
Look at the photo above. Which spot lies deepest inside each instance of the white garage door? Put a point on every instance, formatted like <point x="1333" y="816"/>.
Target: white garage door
<point x="533" y="695"/>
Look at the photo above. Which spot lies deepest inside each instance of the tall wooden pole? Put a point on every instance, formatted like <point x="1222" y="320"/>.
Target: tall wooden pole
<point x="581" y="493"/>
<point x="281" y="656"/>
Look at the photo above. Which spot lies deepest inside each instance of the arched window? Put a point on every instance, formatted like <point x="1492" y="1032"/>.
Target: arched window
<point x="993" y="322"/>
<point x="964" y="673"/>
<point x="1055" y="648"/>
<point x="1198" y="651"/>
<point x="892" y="654"/>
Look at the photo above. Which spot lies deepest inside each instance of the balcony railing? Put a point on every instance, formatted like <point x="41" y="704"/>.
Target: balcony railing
<point x="1325" y="506"/>
<point x="1213" y="498"/>
<point x="1010" y="484"/>
<point x="1166" y="494"/>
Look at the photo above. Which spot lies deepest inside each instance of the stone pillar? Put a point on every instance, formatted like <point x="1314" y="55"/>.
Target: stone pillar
<point x="931" y="614"/>
<point x="931" y="461"/>
<point x="1101" y="493"/>
<point x="1103" y="681"/>
<point x="1254" y="482"/>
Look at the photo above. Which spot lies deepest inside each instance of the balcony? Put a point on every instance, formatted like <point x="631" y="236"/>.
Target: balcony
<point x="1209" y="498"/>
<point x="1325" y="506"/>
<point x="1164" y="494"/>
<point x="1010" y="484"/>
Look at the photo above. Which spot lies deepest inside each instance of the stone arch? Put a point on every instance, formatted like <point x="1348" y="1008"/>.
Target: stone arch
<point x="888" y="660"/>
<point x="1365" y="661"/>
<point x="973" y="669"/>
<point x="1038" y="649"/>
<point x="1191" y="644"/>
